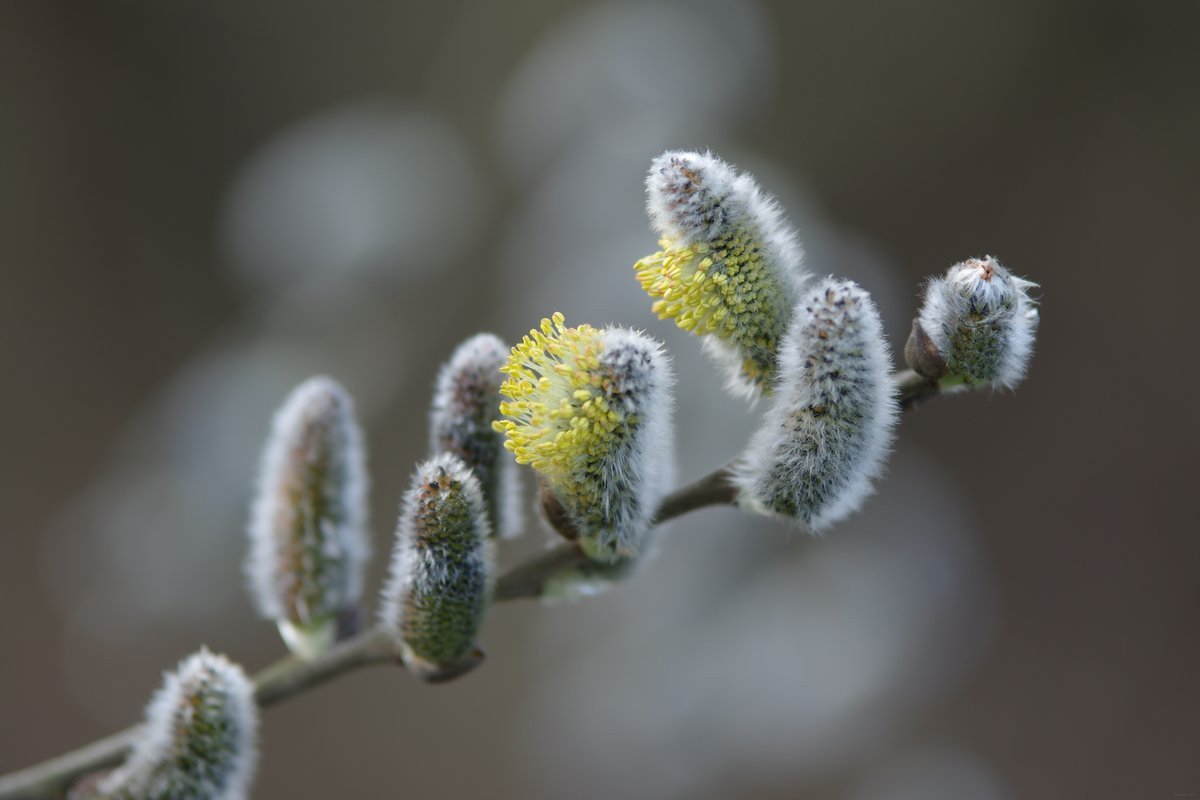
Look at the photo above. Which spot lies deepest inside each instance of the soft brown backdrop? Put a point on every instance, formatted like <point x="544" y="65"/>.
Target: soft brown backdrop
<point x="1059" y="135"/>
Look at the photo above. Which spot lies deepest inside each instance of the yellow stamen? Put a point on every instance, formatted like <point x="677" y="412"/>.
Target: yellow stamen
<point x="726" y="290"/>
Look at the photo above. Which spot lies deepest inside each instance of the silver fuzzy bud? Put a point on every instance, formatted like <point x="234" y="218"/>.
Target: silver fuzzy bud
<point x="828" y="431"/>
<point x="466" y="401"/>
<point x="308" y="536"/>
<point x="976" y="327"/>
<point x="441" y="576"/>
<point x="200" y="737"/>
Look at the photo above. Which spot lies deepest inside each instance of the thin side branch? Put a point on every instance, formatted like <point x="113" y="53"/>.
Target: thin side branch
<point x="290" y="676"/>
<point x="712" y="490"/>
<point x="52" y="778"/>
<point x="285" y="678"/>
<point x="526" y="581"/>
<point x="914" y="390"/>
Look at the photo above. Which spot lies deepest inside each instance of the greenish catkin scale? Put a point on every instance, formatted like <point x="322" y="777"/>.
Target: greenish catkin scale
<point x="441" y="575"/>
<point x="199" y="739"/>
<point x="308" y="523"/>
<point x="723" y="290"/>
<point x="970" y="353"/>
<point x="465" y="404"/>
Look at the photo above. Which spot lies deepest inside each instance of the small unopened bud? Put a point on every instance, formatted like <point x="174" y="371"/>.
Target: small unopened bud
<point x="827" y="433"/>
<point x="730" y="265"/>
<point x="980" y="321"/>
<point x="199" y="740"/>
<point x="308" y="538"/>
<point x="465" y="404"/>
<point x="590" y="410"/>
<point x="922" y="354"/>
<point x="440" y="581"/>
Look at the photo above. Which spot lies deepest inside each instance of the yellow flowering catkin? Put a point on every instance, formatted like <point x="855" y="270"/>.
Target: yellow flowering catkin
<point x="589" y="410"/>
<point x="729" y="267"/>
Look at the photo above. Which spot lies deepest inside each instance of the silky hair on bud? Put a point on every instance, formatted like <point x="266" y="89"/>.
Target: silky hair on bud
<point x="590" y="410"/>
<point x="983" y="323"/>
<point x="730" y="264"/>
<point x="441" y="576"/>
<point x="199" y="740"/>
<point x="308" y="536"/>
<point x="466" y="401"/>
<point x="828" y="431"/>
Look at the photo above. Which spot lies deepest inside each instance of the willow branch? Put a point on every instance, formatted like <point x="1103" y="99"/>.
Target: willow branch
<point x="713" y="489"/>
<point x="526" y="581"/>
<point x="291" y="676"/>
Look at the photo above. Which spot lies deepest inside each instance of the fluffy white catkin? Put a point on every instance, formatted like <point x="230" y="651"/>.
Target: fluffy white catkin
<point x="828" y="431"/>
<point x="590" y="411"/>
<point x="308" y="537"/>
<point x="441" y="575"/>
<point x="466" y="401"/>
<point x="730" y="265"/>
<point x="981" y="320"/>
<point x="200" y="737"/>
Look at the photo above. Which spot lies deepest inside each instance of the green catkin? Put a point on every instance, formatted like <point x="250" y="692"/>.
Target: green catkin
<point x="440" y="582"/>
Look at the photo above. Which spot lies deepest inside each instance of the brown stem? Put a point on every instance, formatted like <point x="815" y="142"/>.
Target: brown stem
<point x="526" y="581"/>
<point x="289" y="676"/>
<point x="713" y="489"/>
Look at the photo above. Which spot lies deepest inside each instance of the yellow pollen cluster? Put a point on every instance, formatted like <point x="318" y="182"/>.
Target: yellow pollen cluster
<point x="560" y="419"/>
<point x="724" y="289"/>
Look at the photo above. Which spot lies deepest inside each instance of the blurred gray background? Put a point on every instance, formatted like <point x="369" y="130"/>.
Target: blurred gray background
<point x="202" y="204"/>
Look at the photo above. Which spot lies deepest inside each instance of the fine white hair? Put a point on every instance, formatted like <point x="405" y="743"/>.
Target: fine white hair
<point x="982" y="321"/>
<point x="828" y="431"/>
<point x="466" y="401"/>
<point x="200" y="737"/>
<point x="311" y="496"/>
